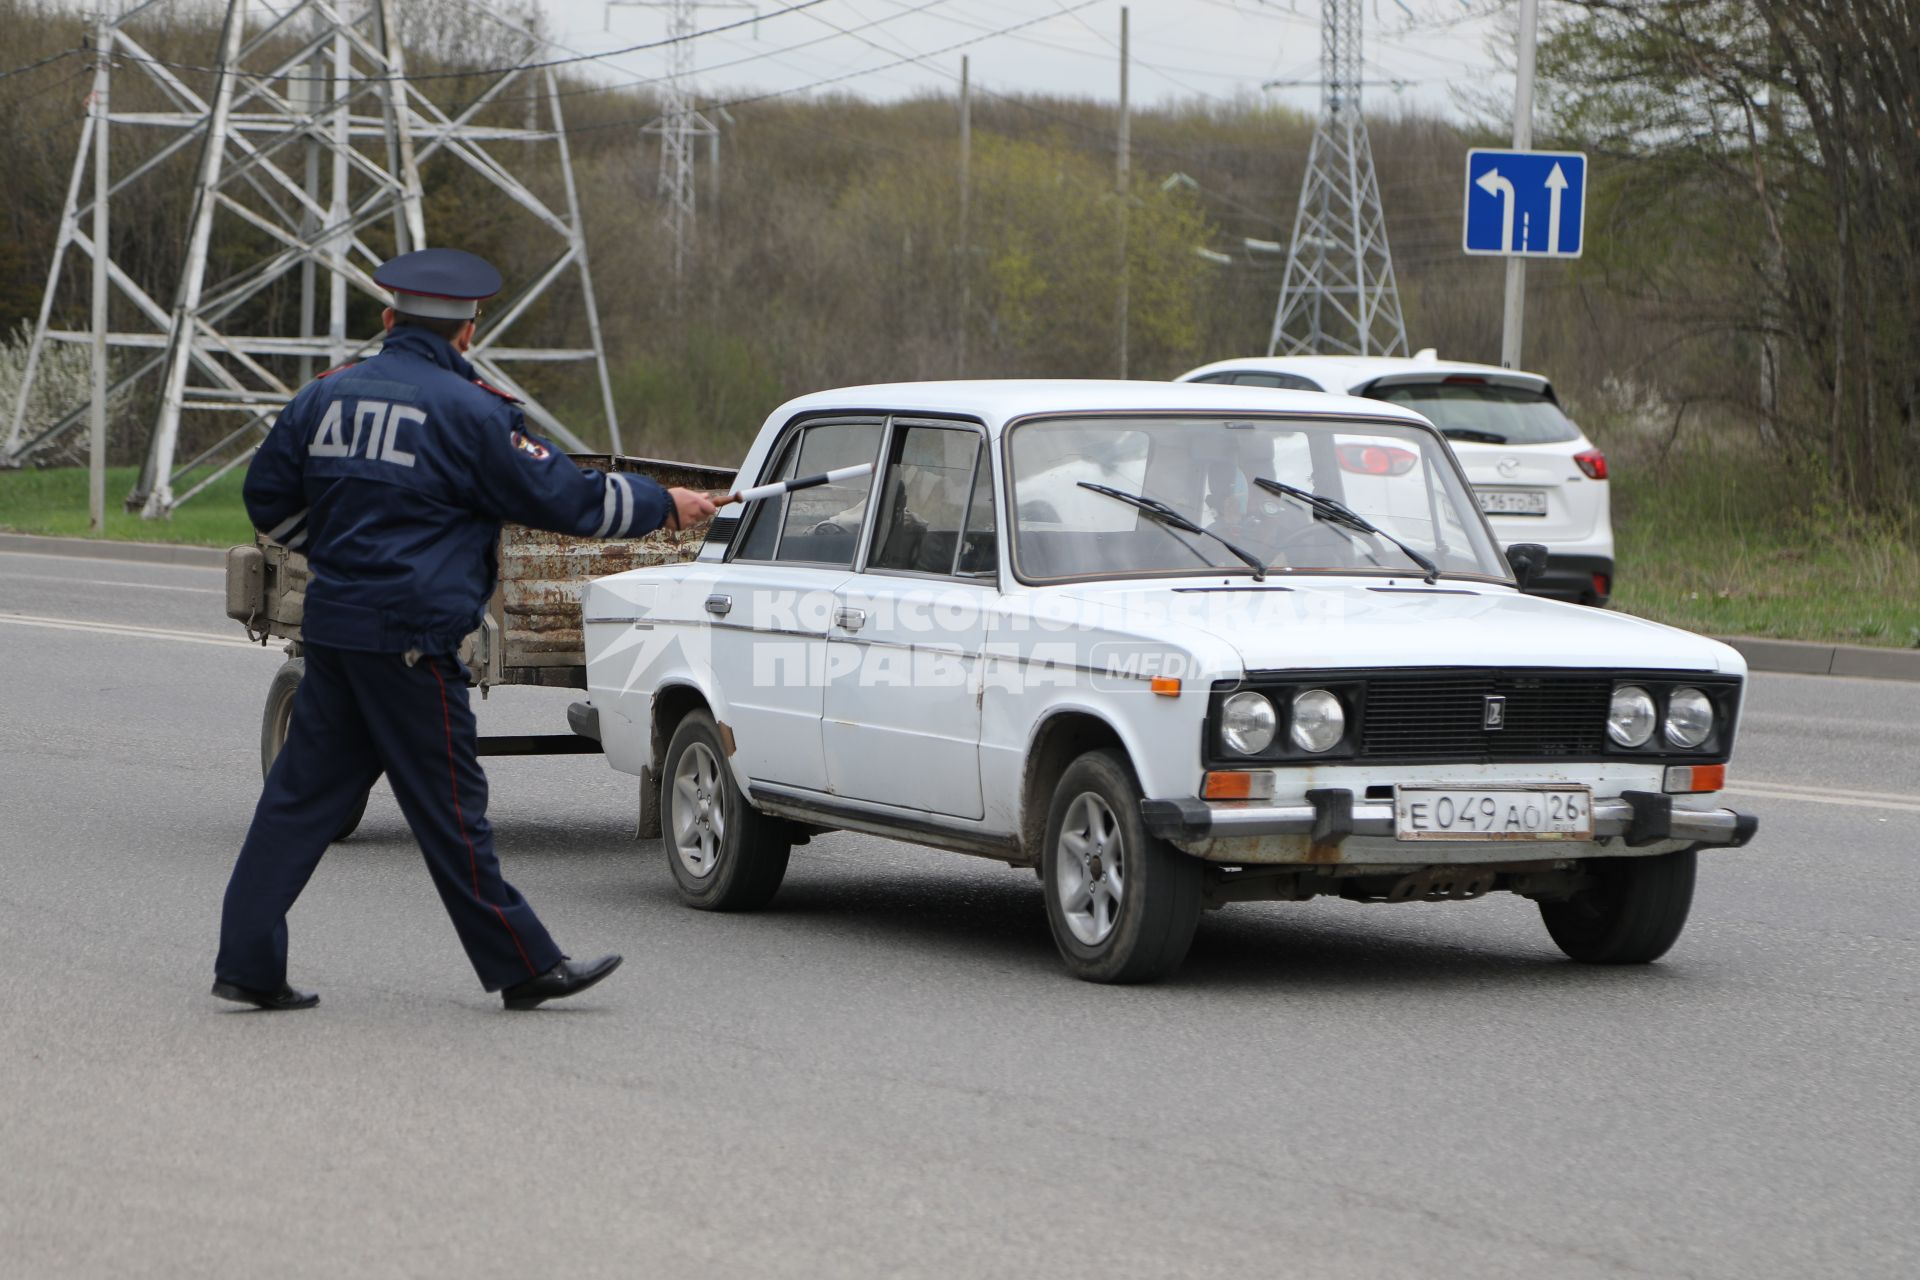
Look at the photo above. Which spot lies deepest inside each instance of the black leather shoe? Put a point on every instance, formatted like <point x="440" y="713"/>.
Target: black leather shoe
<point x="285" y="998"/>
<point x="568" y="978"/>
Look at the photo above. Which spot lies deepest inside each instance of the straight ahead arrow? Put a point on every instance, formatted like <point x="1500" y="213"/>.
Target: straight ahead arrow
<point x="1556" y="187"/>
<point x="1494" y="185"/>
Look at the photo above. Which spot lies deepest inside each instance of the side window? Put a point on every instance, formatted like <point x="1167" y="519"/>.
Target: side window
<point x="821" y="525"/>
<point x="923" y="505"/>
<point x="763" y="522"/>
<point x="979" y="543"/>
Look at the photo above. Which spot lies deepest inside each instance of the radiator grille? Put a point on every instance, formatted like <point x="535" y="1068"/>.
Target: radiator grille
<point x="1442" y="716"/>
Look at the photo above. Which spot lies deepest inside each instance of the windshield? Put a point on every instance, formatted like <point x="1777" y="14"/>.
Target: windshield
<point x="1207" y="469"/>
<point x="1483" y="410"/>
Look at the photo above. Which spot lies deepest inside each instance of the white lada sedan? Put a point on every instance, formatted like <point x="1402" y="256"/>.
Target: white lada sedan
<point x="1145" y="638"/>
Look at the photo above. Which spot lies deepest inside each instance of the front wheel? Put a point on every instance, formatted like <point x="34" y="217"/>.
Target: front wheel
<point x="1632" y="912"/>
<point x="724" y="854"/>
<point x="1123" y="905"/>
<point x="278" y="719"/>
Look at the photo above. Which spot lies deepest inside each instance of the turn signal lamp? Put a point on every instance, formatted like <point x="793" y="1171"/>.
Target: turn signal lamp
<point x="1166" y="686"/>
<point x="1593" y="462"/>
<point x="1237" y="785"/>
<point x="1690" y="779"/>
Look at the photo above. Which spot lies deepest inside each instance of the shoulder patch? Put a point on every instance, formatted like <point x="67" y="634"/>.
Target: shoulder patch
<point x="528" y="445"/>
<point x="336" y="369"/>
<point x="504" y="395"/>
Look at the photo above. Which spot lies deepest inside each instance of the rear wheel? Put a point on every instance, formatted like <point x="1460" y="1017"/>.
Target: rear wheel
<point x="724" y="854"/>
<point x="278" y="718"/>
<point x="1123" y="905"/>
<point x="1631" y="914"/>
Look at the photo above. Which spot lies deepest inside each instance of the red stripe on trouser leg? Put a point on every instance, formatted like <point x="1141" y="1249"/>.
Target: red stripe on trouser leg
<point x="473" y="858"/>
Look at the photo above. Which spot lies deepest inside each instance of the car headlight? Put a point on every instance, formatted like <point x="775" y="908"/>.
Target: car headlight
<point x="1689" y="718"/>
<point x="1319" y="721"/>
<point x="1631" y="718"/>
<point x="1247" y="723"/>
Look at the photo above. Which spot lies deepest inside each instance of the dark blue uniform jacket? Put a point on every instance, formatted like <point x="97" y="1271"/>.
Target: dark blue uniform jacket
<point x="394" y="475"/>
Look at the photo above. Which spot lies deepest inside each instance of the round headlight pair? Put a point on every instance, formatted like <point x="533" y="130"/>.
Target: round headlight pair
<point x="1631" y="718"/>
<point x="1248" y="722"/>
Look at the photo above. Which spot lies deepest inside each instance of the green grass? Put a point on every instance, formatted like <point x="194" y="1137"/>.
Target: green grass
<point x="1705" y="541"/>
<point x="54" y="501"/>
<point x="1712" y="543"/>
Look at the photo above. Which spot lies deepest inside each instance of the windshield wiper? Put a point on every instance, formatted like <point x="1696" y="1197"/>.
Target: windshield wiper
<point x="1336" y="512"/>
<point x="1174" y="518"/>
<point x="1472" y="436"/>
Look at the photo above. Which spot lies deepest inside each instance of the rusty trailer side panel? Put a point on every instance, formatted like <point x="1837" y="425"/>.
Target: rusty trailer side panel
<point x="532" y="632"/>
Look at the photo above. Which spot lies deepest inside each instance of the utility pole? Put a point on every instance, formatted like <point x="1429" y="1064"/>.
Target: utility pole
<point x="1510" y="329"/>
<point x="964" y="257"/>
<point x="1338" y="296"/>
<point x="102" y="182"/>
<point x="1122" y="179"/>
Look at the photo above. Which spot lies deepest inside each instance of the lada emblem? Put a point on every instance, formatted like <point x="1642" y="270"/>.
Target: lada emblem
<point x="1494" y="712"/>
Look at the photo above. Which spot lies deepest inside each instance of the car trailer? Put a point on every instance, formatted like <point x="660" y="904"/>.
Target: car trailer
<point x="531" y="632"/>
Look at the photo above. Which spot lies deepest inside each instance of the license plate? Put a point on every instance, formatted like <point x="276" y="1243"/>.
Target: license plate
<point x="1513" y="502"/>
<point x="1493" y="813"/>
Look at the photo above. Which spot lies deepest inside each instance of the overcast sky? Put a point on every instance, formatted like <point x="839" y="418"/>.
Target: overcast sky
<point x="1182" y="49"/>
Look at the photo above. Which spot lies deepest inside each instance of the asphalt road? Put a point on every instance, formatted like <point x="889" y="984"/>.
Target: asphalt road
<point x="888" y="1073"/>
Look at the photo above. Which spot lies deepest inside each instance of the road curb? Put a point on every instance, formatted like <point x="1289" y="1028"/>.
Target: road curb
<point x="102" y="549"/>
<point x="1797" y="657"/>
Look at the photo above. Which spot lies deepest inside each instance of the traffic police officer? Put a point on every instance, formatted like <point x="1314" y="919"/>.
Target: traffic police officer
<point x="394" y="476"/>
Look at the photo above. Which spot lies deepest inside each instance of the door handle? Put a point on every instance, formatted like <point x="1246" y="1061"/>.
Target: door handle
<point x="719" y="605"/>
<point x="850" y="619"/>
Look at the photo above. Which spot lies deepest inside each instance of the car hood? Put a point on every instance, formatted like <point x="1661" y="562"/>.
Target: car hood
<point x="1349" y="622"/>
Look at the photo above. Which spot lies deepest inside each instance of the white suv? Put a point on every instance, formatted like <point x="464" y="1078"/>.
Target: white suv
<point x="1537" y="476"/>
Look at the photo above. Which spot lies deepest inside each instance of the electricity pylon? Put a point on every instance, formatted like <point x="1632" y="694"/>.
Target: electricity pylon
<point x="310" y="144"/>
<point x="680" y="122"/>
<point x="1338" y="295"/>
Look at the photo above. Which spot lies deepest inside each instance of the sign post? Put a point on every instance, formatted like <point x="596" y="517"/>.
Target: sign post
<point x="1528" y="39"/>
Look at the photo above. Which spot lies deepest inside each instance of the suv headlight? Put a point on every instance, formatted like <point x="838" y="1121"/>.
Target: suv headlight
<point x="1689" y="717"/>
<point x="1319" y="721"/>
<point x="1631" y="718"/>
<point x="1247" y="723"/>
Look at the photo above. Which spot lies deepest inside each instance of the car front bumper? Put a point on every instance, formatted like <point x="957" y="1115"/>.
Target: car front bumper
<point x="1335" y="827"/>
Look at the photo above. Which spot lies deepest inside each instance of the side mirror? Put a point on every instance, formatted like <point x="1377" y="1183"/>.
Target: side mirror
<point x="1528" y="560"/>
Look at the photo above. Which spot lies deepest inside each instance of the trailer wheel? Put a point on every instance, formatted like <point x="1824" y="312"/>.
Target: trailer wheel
<point x="276" y="720"/>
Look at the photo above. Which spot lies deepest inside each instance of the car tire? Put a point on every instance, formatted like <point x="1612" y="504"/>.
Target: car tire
<point x="724" y="854"/>
<point x="1631" y="914"/>
<point x="1123" y="905"/>
<point x="278" y="718"/>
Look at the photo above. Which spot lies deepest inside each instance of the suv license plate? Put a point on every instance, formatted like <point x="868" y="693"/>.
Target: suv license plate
<point x="1493" y="813"/>
<point x="1513" y="502"/>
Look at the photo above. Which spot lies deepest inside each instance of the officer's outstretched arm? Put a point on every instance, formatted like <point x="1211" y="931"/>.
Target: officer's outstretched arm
<point x="275" y="489"/>
<point x="520" y="477"/>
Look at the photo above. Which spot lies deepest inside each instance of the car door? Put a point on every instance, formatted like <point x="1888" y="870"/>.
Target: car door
<point x="902" y="718"/>
<point x="769" y="608"/>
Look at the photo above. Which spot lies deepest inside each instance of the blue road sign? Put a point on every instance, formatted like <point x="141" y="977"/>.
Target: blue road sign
<point x="1525" y="204"/>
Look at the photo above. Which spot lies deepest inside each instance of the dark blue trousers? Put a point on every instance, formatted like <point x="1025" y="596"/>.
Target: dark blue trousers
<point x="356" y="716"/>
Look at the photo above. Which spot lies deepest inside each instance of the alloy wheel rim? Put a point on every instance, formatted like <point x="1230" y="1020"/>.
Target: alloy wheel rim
<point x="1090" y="869"/>
<point x="699" y="816"/>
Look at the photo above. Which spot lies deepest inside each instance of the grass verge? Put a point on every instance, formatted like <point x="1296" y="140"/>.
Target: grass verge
<point x="1710" y="542"/>
<point x="54" y="502"/>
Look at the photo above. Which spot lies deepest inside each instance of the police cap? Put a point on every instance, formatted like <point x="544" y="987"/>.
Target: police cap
<point x="440" y="284"/>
